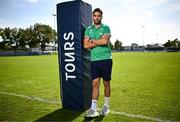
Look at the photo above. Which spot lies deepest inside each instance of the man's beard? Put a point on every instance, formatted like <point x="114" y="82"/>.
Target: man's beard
<point x="97" y="22"/>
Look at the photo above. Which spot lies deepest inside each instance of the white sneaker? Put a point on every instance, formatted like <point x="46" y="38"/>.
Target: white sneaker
<point x="104" y="111"/>
<point x="91" y="113"/>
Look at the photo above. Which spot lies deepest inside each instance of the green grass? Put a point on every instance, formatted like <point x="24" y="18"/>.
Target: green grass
<point x="142" y="83"/>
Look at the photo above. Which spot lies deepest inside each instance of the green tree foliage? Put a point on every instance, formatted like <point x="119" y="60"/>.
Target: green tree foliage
<point x="111" y="46"/>
<point x="168" y="44"/>
<point x="22" y="38"/>
<point x="175" y="43"/>
<point x="7" y="38"/>
<point x="172" y="44"/>
<point x="37" y="35"/>
<point x="14" y="39"/>
<point x="2" y="43"/>
<point x="179" y="44"/>
<point x="118" y="45"/>
<point x="30" y="37"/>
<point x="44" y="34"/>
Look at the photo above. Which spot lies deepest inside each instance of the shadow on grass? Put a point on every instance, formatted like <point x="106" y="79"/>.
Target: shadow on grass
<point x="96" y="119"/>
<point x="60" y="115"/>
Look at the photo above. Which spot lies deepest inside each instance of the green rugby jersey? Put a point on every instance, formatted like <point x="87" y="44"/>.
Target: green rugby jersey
<point x="100" y="52"/>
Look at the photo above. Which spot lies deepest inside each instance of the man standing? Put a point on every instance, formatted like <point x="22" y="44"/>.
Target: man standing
<point x="97" y="39"/>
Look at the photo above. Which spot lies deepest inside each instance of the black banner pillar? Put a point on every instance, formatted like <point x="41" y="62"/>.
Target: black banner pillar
<point x="74" y="64"/>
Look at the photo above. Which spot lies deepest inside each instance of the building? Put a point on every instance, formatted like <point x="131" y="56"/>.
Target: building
<point x="155" y="47"/>
<point x="133" y="47"/>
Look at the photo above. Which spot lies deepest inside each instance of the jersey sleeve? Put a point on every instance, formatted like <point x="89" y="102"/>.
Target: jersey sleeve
<point x="86" y="33"/>
<point x="107" y="31"/>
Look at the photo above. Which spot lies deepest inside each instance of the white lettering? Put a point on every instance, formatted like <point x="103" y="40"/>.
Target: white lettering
<point x="70" y="67"/>
<point x="69" y="46"/>
<point x="68" y="36"/>
<point x="71" y="57"/>
<point x="69" y="76"/>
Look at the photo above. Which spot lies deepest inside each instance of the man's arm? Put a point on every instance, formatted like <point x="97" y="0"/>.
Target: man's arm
<point x="103" y="41"/>
<point x="87" y="44"/>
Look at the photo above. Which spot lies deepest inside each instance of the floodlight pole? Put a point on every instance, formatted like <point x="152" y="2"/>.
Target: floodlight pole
<point x="54" y="15"/>
<point x="157" y="37"/>
<point x="143" y="27"/>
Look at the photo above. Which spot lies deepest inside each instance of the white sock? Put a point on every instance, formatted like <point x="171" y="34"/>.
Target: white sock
<point x="106" y="101"/>
<point x="93" y="104"/>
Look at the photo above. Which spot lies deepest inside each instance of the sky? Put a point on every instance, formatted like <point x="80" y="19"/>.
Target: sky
<point x="131" y="21"/>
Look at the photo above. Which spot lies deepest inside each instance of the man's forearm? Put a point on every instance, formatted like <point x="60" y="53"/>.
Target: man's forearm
<point x="89" y="45"/>
<point x="100" y="42"/>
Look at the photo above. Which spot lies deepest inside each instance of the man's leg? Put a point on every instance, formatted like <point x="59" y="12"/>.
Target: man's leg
<point x="95" y="75"/>
<point x="107" y="88"/>
<point x="107" y="92"/>
<point x="106" y="69"/>
<point x="95" y="93"/>
<point x="92" y="112"/>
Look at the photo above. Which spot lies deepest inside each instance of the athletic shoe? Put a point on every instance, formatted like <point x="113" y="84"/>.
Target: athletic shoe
<point x="104" y="111"/>
<point x="91" y="113"/>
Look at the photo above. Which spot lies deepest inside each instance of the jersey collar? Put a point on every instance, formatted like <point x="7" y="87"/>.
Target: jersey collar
<point x="98" y="27"/>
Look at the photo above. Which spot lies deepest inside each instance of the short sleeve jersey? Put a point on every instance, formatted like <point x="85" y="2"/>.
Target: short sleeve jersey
<point x="100" y="52"/>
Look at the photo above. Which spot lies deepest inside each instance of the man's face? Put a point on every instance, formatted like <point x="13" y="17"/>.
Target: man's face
<point x="97" y="18"/>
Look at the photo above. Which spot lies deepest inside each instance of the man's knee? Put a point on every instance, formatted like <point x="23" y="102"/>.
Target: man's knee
<point x="106" y="83"/>
<point x="96" y="83"/>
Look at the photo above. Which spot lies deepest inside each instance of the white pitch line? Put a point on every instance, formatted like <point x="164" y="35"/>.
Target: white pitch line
<point x="31" y="98"/>
<point x="112" y="112"/>
<point x="139" y="116"/>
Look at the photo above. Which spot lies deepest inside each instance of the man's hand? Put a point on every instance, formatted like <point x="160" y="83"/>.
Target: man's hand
<point x="88" y="43"/>
<point x="103" y="41"/>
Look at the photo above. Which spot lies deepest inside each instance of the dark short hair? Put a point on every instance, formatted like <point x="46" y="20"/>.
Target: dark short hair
<point x="98" y="10"/>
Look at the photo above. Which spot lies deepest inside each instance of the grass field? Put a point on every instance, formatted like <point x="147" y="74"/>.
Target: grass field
<point x="143" y="85"/>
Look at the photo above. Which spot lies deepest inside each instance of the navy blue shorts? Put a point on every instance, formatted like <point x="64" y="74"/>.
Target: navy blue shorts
<point x="102" y="68"/>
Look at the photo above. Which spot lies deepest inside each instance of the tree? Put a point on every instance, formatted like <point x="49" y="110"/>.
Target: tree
<point x="7" y="36"/>
<point x="172" y="44"/>
<point x="22" y="38"/>
<point x="118" y="45"/>
<point x="1" y="31"/>
<point x="179" y="44"/>
<point x="44" y="34"/>
<point x="35" y="36"/>
<point x="111" y="45"/>
<point x="175" y="43"/>
<point x="30" y="37"/>
<point x="14" y="40"/>
<point x="168" y="44"/>
<point x="2" y="43"/>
